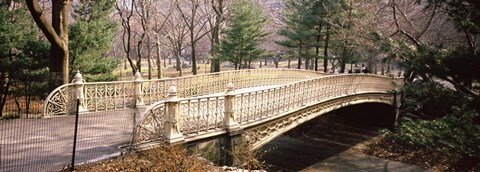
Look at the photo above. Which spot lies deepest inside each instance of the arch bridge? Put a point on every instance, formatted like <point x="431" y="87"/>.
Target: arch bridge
<point x="259" y="104"/>
<point x="259" y="114"/>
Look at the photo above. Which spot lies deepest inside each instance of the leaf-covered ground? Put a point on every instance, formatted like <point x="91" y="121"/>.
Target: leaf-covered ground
<point x="430" y="159"/>
<point x="163" y="158"/>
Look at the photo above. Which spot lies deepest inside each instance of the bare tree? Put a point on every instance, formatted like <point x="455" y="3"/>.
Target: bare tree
<point x="160" y="17"/>
<point x="194" y="14"/>
<point x="176" y="35"/>
<point x="220" y="7"/>
<point x="143" y="8"/>
<point x="125" y="11"/>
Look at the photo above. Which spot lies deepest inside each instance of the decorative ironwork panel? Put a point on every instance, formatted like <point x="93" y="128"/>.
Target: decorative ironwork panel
<point x="201" y="115"/>
<point x="238" y="104"/>
<point x="152" y="126"/>
<point x="60" y="101"/>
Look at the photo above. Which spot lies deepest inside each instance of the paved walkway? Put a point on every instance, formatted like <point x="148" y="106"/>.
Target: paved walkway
<point x="352" y="161"/>
<point x="46" y="144"/>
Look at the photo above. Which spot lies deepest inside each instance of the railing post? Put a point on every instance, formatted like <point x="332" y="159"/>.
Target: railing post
<point x="231" y="125"/>
<point x="79" y="82"/>
<point x="172" y="124"/>
<point x="138" y="90"/>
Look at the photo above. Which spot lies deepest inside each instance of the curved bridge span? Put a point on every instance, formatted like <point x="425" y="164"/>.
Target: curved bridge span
<point x="259" y="114"/>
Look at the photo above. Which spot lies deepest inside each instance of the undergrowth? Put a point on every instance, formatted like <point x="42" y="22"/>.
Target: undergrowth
<point x="162" y="158"/>
<point x="448" y="134"/>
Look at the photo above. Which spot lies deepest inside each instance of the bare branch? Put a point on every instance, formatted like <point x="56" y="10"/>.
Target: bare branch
<point x="413" y="39"/>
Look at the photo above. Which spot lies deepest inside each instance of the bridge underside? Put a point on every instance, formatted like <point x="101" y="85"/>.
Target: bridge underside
<point x="258" y="135"/>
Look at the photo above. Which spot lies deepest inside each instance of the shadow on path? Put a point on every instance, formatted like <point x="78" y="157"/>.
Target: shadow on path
<point x="326" y="136"/>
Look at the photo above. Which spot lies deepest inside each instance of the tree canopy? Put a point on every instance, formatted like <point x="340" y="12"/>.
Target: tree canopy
<point x="23" y="56"/>
<point x="240" y="44"/>
<point x="91" y="36"/>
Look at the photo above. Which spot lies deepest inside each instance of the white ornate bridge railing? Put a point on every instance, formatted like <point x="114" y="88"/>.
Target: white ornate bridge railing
<point x="196" y="118"/>
<point x="102" y="96"/>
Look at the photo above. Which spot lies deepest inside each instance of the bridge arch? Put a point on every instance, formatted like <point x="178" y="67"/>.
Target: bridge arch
<point x="259" y="135"/>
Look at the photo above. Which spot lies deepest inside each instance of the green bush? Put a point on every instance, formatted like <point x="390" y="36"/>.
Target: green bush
<point x="431" y="100"/>
<point x="449" y="134"/>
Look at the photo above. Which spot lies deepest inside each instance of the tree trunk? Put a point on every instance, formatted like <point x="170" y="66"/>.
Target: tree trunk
<point x="325" y="51"/>
<point x="240" y="63"/>
<point x="59" y="53"/>
<point x="4" y="90"/>
<point x="343" y="64"/>
<point x="299" y="62"/>
<point x="159" y="61"/>
<point x="312" y="62"/>
<point x="317" y="46"/>
<point x="307" y="63"/>
<point x="239" y="56"/>
<point x="126" y="35"/>
<point x="57" y="35"/>
<point x="369" y="64"/>
<point x="179" y="65"/>
<point x="58" y="66"/>
<point x="289" y="60"/>
<point x="193" y="56"/>
<point x="215" y="66"/>
<point x="317" y="52"/>
<point x="149" y="57"/>
<point x="192" y="40"/>
<point x="165" y="61"/>
<point x="299" y="65"/>
<point x="139" y="53"/>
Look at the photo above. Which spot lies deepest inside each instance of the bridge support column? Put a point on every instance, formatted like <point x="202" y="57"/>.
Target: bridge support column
<point x="172" y="128"/>
<point x="231" y="125"/>
<point x="138" y="89"/>
<point x="79" y="82"/>
<point x="236" y="150"/>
